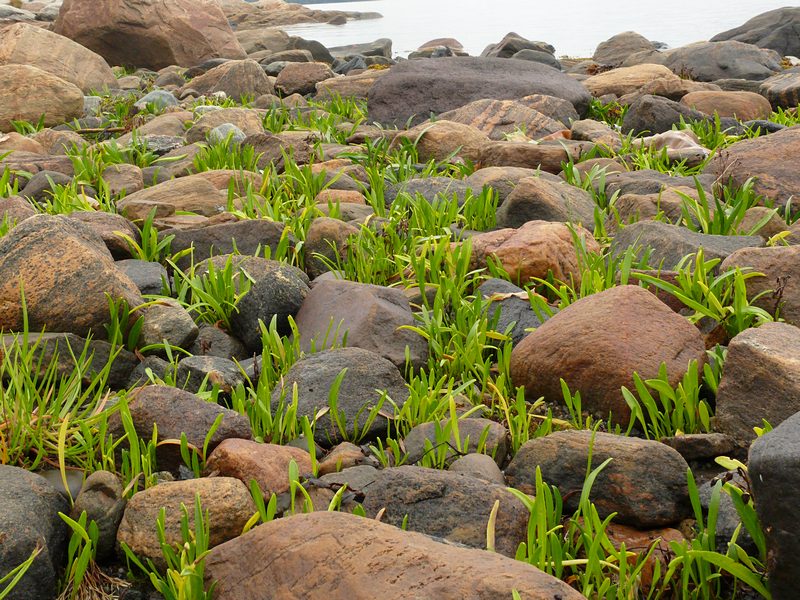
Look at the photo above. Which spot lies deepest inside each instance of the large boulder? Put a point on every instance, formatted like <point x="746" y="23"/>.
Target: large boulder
<point x="645" y="482"/>
<point x="237" y="78"/>
<point x="65" y="272"/>
<point x="617" y="48"/>
<point x="25" y="44"/>
<point x="499" y="118"/>
<point x="29" y="508"/>
<point x="150" y="33"/>
<point x="596" y="345"/>
<point x="656" y="114"/>
<point x="745" y="106"/>
<point x="626" y="80"/>
<point x="418" y="88"/>
<point x="774" y="29"/>
<point x="28" y="93"/>
<point x="770" y="159"/>
<point x="761" y="380"/>
<point x="352" y="554"/>
<point x="709" y="61"/>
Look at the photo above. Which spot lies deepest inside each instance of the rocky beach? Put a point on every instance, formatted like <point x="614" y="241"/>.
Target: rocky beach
<point x="287" y="321"/>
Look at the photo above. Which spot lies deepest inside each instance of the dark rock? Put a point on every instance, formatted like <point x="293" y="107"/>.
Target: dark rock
<point x="40" y="186"/>
<point x="701" y="446"/>
<point x="708" y="61"/>
<point x="167" y="321"/>
<point x="774" y="29"/>
<point x="213" y="341"/>
<point x="366" y="373"/>
<point x="326" y="240"/>
<point x="430" y="188"/>
<point x="196" y="372"/>
<point x="782" y="90"/>
<point x="101" y="496"/>
<point x="655" y="114"/>
<point x="546" y="58"/>
<point x="149" y="277"/>
<point x="539" y="199"/>
<point x="513" y="43"/>
<point x="470" y="428"/>
<point x="513" y="306"/>
<point x="417" y="88"/>
<point x="645" y="482"/>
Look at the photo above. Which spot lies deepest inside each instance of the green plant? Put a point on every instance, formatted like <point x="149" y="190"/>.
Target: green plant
<point x="727" y="213"/>
<point x="225" y="154"/>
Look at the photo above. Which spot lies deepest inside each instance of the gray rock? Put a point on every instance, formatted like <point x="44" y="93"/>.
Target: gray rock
<point x="727" y="516"/>
<point x="708" y="61"/>
<point x="196" y="372"/>
<point x="40" y="186"/>
<point x="430" y="188"/>
<point x="358" y="478"/>
<point x="546" y="58"/>
<point x="656" y="114"/>
<point x="775" y="29"/>
<point x="213" y="341"/>
<point x="368" y="374"/>
<point x="227" y="132"/>
<point x="380" y="47"/>
<point x="469" y="429"/>
<point x="29" y="508"/>
<point x="167" y="321"/>
<point x="158" y="98"/>
<point x="479" y="466"/>
<point x="538" y="199"/>
<point x="617" y="48"/>
<point x="774" y="469"/>
<point x="513" y="43"/>
<point x="148" y="276"/>
<point x="101" y="497"/>
<point x="513" y="309"/>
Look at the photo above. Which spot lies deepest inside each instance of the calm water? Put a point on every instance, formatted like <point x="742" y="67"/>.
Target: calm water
<point x="574" y="28"/>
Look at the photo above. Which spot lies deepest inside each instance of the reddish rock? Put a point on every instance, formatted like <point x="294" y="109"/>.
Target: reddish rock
<point x="745" y="106"/>
<point x="302" y="78"/>
<point x="443" y="139"/>
<point x="498" y="118"/>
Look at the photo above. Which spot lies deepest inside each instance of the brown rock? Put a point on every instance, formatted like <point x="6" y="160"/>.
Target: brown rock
<point x="443" y="139"/>
<point x="502" y="180"/>
<point x="768" y="158"/>
<point x="302" y="78"/>
<point x="25" y="44"/>
<point x="645" y="482"/>
<point x="66" y="273"/>
<point x="745" y="106"/>
<point x="267" y="464"/>
<point x="366" y="558"/>
<point x="123" y="178"/>
<point x="780" y="266"/>
<point x="15" y="209"/>
<point x="343" y="456"/>
<point x="625" y="80"/>
<point x="782" y="90"/>
<point x="326" y="237"/>
<point x="598" y="342"/>
<point x="530" y="156"/>
<point x="27" y="93"/>
<point x="351" y="86"/>
<point x="237" y="78"/>
<point x="498" y="118"/>
<point x="533" y="250"/>
<point x="226" y="499"/>
<point x="761" y="380"/>
<point x="329" y="196"/>
<point x="246" y="119"/>
<point x="616" y="49"/>
<point x="108" y="226"/>
<point x="13" y="141"/>
<point x="156" y="35"/>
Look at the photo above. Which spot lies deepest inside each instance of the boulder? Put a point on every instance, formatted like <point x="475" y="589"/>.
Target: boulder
<point x="782" y="90"/>
<point x="66" y="273"/>
<point x="774" y="29"/>
<point x="617" y="48"/>
<point x="29" y="508"/>
<point x="24" y="44"/>
<point x="645" y="482"/>
<point x="327" y="238"/>
<point x="447" y="505"/>
<point x="626" y="80"/>
<point x="767" y="158"/>
<point x="761" y="380"/>
<point x="364" y="554"/>
<point x="499" y="118"/>
<point x="416" y="89"/>
<point x="502" y="180"/>
<point x="362" y="385"/>
<point x="656" y="114"/>
<point x="745" y="106"/>
<point x="773" y="468"/>
<point x="101" y="496"/>
<point x="226" y="499"/>
<point x="302" y="78"/>
<point x="371" y="317"/>
<point x="536" y="198"/>
<point x="709" y="61"/>
<point x="58" y="101"/>
<point x="472" y="429"/>
<point x="596" y="345"/>
<point x="513" y="306"/>
<point x="237" y="78"/>
<point x="513" y="43"/>
<point x="533" y="250"/>
<point x="154" y="36"/>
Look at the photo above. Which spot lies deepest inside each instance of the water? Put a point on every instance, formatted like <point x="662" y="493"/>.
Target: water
<point x="574" y="28"/>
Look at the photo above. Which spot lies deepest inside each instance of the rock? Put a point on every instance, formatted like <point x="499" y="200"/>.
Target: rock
<point x="617" y="48"/>
<point x="479" y="466"/>
<point x="709" y="61"/>
<point x="246" y="119"/>
<point x="15" y="142"/>
<point x="433" y="189"/>
<point x="66" y="273"/>
<point x="533" y="250"/>
<point x="123" y="179"/>
<point x="417" y="88"/>
<point x="302" y="78"/>
<point x="226" y="499"/>
<point x="29" y="508"/>
<point x="177" y="412"/>
<point x="655" y="114"/>
<point x="671" y="243"/>
<point x="513" y="43"/>
<point x="101" y="496"/>
<point x="278" y="294"/>
<point x="535" y="198"/>
<point x="556" y="108"/>
<point x="246" y="236"/>
<point x="761" y="380"/>
<point x="364" y="554"/>
<point x="326" y="237"/>
<point x="701" y="446"/>
<point x="495" y="442"/>
<point x="768" y="159"/>
<point x="380" y="47"/>
<point x="267" y="464"/>
<point x="24" y="44"/>
<point x="546" y="58"/>
<point x="443" y="139"/>
<point x="167" y="321"/>
<point x="774" y="29"/>
<point x="780" y="266"/>
<point x="745" y="106"/>
<point x="58" y="100"/>
<point x="447" y="505"/>
<point x="645" y="482"/>
<point x="596" y="348"/>
<point x="108" y="226"/>
<point x="548" y="158"/>
<point x="773" y="467"/>
<point x="498" y="118"/>
<point x="212" y="341"/>
<point x="782" y="90"/>
<point x="161" y="99"/>
<point x="213" y="371"/>
<point x="626" y="80"/>
<point x="352" y="86"/>
<point x="502" y="180"/>
<point x="513" y="306"/>
<point x="15" y="209"/>
<point x="149" y="277"/>
<point x="125" y="34"/>
<point x="237" y="78"/>
<point x="368" y="374"/>
<point x="370" y="316"/>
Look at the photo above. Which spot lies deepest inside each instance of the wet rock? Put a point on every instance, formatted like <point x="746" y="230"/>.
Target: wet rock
<point x="596" y="347"/>
<point x="645" y="482"/>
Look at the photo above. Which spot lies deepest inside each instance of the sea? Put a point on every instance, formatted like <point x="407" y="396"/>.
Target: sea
<point x="573" y="27"/>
